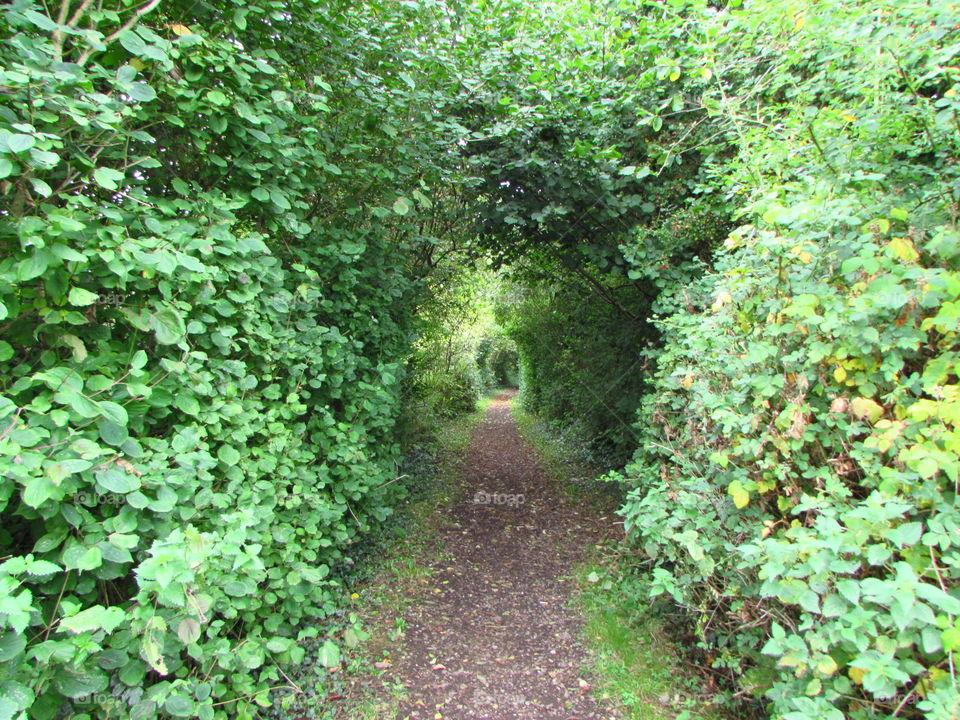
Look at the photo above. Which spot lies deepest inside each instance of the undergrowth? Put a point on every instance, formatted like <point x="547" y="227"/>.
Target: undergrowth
<point x="397" y="562"/>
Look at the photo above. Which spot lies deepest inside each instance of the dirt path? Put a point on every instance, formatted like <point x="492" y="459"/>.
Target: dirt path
<point x="496" y="638"/>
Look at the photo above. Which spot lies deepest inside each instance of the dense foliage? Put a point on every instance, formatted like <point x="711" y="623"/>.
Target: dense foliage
<point x="796" y="484"/>
<point x="210" y="259"/>
<point x="239" y="240"/>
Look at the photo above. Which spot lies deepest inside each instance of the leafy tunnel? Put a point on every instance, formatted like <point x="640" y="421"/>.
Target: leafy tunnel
<point x="252" y="251"/>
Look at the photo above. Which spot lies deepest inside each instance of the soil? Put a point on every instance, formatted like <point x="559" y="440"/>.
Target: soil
<point x="495" y="636"/>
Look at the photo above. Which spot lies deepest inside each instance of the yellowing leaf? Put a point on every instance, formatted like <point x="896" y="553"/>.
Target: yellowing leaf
<point x="904" y="249"/>
<point x="179" y="29"/>
<point x="866" y="409"/>
<point x="827" y="666"/>
<point x="848" y="117"/>
<point x="723" y="297"/>
<point x="687" y="381"/>
<point x="857" y="674"/>
<point x="675" y="75"/>
<point x="799" y="22"/>
<point x="706" y="73"/>
<point x="741" y="498"/>
<point x="839" y="373"/>
<point x="137" y="63"/>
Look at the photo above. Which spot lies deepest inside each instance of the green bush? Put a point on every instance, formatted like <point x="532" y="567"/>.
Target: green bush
<point x="205" y="305"/>
<point x="796" y="485"/>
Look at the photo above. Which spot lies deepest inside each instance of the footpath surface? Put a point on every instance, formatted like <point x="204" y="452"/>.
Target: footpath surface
<point x="495" y="636"/>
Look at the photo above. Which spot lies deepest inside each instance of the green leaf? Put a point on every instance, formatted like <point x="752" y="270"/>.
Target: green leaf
<point x="141" y="92"/>
<point x="41" y="187"/>
<point x="228" y="455"/>
<point x="19" y="142"/>
<point x="80" y="558"/>
<point x="132" y="42"/>
<point x="78" y="402"/>
<point x="950" y="638"/>
<point x="77" y="684"/>
<point x="352" y="248"/>
<point x="38" y="490"/>
<point x="217" y="98"/>
<point x="168" y="326"/>
<point x="179" y="705"/>
<point x="188" y="403"/>
<point x="81" y="298"/>
<point x="114" y="412"/>
<point x="111" y="433"/>
<point x="118" y="481"/>
<point x="34" y="265"/>
<point x="94" y="618"/>
<point x="328" y="655"/>
<point x="741" y="496"/>
<point x="401" y="206"/>
<point x="279" y="199"/>
<point x="107" y="178"/>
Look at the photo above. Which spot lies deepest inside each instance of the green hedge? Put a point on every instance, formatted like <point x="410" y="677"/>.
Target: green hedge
<point x="205" y="306"/>
<point x="796" y="484"/>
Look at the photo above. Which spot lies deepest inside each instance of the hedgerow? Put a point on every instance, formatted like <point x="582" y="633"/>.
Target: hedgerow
<point x="797" y="477"/>
<point x="207" y="281"/>
<point x="240" y="239"/>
